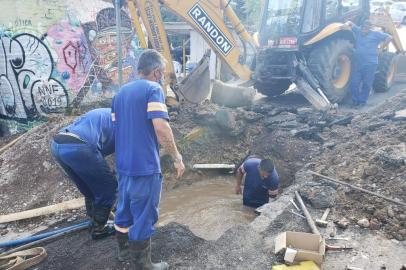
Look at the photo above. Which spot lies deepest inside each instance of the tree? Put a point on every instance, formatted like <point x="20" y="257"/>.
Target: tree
<point x="248" y="12"/>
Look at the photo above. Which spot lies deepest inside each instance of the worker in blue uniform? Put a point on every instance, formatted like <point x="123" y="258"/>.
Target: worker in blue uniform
<point x="366" y="60"/>
<point x="80" y="149"/>
<point x="140" y="117"/>
<point x="261" y="181"/>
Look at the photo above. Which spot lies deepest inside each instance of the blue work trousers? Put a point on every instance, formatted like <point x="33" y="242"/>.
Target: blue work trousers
<point x="88" y="169"/>
<point x="361" y="82"/>
<point x="138" y="204"/>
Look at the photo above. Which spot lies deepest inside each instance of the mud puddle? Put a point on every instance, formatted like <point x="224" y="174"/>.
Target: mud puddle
<point x="207" y="207"/>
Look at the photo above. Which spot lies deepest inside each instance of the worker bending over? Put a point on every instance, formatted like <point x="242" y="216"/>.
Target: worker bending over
<point x="366" y="60"/>
<point x="80" y="149"/>
<point x="261" y="181"/>
<point x="141" y="119"/>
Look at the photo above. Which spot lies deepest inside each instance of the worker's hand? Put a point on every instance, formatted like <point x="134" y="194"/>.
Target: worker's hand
<point x="238" y="189"/>
<point x="347" y="24"/>
<point x="180" y="168"/>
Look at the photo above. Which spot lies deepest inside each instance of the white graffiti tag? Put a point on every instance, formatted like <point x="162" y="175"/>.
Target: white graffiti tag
<point x="27" y="88"/>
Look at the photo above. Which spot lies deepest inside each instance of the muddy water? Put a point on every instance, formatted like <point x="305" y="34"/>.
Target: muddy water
<point x="208" y="207"/>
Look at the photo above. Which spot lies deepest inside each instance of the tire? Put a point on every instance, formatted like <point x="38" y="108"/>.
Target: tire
<point x="331" y="62"/>
<point x="385" y="73"/>
<point x="273" y="88"/>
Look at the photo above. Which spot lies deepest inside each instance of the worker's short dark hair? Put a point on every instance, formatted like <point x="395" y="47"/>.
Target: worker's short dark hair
<point x="266" y="165"/>
<point x="149" y="61"/>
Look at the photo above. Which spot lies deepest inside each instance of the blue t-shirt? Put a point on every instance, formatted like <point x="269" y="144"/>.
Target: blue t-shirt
<point x="366" y="45"/>
<point x="96" y="128"/>
<point x="255" y="188"/>
<point x="134" y="107"/>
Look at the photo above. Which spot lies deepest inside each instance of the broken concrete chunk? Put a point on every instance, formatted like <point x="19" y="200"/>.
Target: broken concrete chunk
<point x="364" y="223"/>
<point x="391" y="155"/>
<point x="343" y="223"/>
<point x="319" y="196"/>
<point x="344" y="121"/>
<point x="226" y="119"/>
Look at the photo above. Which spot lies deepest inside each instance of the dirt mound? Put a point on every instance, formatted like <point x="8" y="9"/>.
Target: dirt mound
<point x="29" y="176"/>
<point x="370" y="153"/>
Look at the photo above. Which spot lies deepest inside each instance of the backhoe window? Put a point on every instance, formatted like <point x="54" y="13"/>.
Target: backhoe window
<point x="350" y="5"/>
<point x="332" y="8"/>
<point x="283" y="18"/>
<point x="311" y="17"/>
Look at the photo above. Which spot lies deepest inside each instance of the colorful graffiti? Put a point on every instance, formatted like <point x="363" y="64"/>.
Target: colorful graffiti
<point x="61" y="56"/>
<point x="27" y="87"/>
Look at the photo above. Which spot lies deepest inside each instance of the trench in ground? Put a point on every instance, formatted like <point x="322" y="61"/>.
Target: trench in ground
<point x="209" y="207"/>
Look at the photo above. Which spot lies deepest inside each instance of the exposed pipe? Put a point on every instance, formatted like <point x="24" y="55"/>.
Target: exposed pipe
<point x="29" y="239"/>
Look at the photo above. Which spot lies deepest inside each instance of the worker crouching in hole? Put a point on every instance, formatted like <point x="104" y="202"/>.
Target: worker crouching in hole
<point x="261" y="181"/>
<point x="80" y="149"/>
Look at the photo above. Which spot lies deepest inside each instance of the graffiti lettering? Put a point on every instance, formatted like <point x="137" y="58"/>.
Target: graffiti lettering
<point x="27" y="88"/>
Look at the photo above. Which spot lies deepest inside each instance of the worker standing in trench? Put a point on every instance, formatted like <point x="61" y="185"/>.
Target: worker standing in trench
<point x="141" y="119"/>
<point x="366" y="60"/>
<point x="80" y="149"/>
<point x="261" y="181"/>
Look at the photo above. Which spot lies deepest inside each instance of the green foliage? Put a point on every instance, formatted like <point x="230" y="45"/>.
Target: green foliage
<point x="249" y="12"/>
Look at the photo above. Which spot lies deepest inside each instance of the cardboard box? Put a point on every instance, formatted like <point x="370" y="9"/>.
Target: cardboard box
<point x="301" y="247"/>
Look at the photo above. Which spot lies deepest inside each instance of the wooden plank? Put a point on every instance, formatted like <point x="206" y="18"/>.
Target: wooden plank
<point x="67" y="205"/>
<point x="309" y="218"/>
<point x="213" y="166"/>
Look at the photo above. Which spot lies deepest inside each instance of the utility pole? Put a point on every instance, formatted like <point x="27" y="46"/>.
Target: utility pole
<point x="119" y="52"/>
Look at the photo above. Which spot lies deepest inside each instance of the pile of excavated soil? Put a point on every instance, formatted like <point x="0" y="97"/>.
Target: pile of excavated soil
<point x="370" y="153"/>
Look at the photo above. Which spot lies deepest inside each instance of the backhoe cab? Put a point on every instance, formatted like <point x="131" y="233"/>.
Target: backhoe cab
<point x="306" y="40"/>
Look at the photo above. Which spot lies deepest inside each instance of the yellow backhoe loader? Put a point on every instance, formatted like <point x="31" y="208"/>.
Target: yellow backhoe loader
<point x="298" y="41"/>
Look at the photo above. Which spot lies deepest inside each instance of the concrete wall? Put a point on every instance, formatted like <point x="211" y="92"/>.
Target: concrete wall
<point x="56" y="54"/>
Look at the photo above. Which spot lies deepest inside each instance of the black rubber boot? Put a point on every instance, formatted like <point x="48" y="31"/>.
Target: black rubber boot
<point x="140" y="252"/>
<point x="123" y="246"/>
<point x="99" y="229"/>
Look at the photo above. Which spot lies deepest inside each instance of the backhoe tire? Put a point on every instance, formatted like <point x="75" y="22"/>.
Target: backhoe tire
<point x="331" y="62"/>
<point x="386" y="71"/>
<point x="273" y="88"/>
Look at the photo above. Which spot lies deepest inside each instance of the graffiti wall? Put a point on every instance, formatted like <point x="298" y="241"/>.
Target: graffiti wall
<point x="60" y="54"/>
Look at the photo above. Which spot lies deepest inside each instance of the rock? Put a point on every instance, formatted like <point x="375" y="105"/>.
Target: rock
<point x="329" y="145"/>
<point x="282" y="117"/>
<point x="252" y="117"/>
<point x="391" y="155"/>
<point x="400" y="115"/>
<point x="3" y="232"/>
<point x="308" y="133"/>
<point x="391" y="213"/>
<point x="399" y="237"/>
<point x="374" y="224"/>
<point x="304" y="111"/>
<point x="381" y="214"/>
<point x="319" y="196"/>
<point x="370" y="171"/>
<point x="3" y="226"/>
<point x="232" y="95"/>
<point x="226" y="120"/>
<point x="364" y="223"/>
<point x="402" y="217"/>
<point x="343" y="223"/>
<point x="376" y="126"/>
<point x="344" y="121"/>
<point x="46" y="165"/>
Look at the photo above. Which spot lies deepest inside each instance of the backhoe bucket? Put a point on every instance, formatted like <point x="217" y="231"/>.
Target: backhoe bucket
<point x="195" y="88"/>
